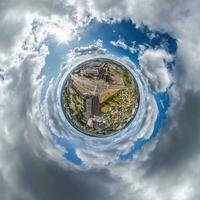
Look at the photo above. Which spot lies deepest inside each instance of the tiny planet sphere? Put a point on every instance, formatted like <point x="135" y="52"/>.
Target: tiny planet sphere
<point x="100" y="97"/>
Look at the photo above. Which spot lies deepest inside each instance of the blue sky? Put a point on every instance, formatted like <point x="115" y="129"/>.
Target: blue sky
<point x="128" y="33"/>
<point x="124" y="30"/>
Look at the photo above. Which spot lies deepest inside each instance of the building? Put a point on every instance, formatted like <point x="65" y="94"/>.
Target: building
<point x="92" y="106"/>
<point x="95" y="105"/>
<point x="92" y="71"/>
<point x="88" y="107"/>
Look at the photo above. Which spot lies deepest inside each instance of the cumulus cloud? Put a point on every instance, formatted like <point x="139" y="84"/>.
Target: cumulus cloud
<point x="133" y="48"/>
<point x="59" y="19"/>
<point x="95" y="48"/>
<point x="154" y="64"/>
<point x="169" y="170"/>
<point x="123" y="45"/>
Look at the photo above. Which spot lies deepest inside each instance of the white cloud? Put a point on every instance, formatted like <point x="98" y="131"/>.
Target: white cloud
<point x="58" y="18"/>
<point x="123" y="45"/>
<point x="154" y="64"/>
<point x="94" y="48"/>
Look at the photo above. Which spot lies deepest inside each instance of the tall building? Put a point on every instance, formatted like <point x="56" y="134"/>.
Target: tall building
<point x="92" y="106"/>
<point x="95" y="105"/>
<point x="88" y="106"/>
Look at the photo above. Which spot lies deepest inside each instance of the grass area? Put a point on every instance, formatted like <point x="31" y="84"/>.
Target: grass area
<point x="127" y="79"/>
<point x="106" y="95"/>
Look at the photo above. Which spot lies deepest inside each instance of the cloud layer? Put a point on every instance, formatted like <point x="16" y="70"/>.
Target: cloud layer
<point x="165" y="168"/>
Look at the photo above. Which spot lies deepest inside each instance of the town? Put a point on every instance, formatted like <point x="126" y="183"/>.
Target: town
<point x="100" y="98"/>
